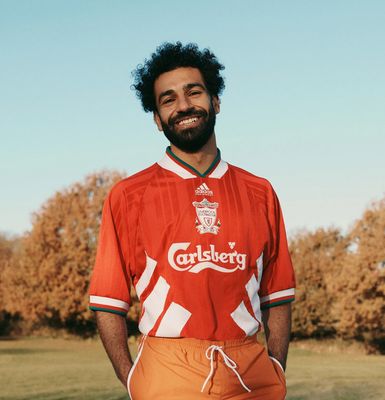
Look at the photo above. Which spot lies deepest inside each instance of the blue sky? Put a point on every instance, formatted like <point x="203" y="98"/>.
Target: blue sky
<point x="303" y="105"/>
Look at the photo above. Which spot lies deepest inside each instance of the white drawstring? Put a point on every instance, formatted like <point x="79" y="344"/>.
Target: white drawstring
<point x="228" y="361"/>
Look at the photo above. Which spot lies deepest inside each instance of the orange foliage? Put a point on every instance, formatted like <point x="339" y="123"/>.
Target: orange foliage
<point x="341" y="281"/>
<point x="48" y="281"/>
<point x="317" y="259"/>
<point x="360" y="285"/>
<point x="8" y="246"/>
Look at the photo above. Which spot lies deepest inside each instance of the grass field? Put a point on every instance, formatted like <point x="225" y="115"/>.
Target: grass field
<point x="59" y="369"/>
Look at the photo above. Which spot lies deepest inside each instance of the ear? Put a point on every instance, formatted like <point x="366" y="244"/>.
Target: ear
<point x="216" y="104"/>
<point x="157" y="121"/>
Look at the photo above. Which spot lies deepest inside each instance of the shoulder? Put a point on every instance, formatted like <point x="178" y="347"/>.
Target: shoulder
<point x="133" y="185"/>
<point x="253" y="182"/>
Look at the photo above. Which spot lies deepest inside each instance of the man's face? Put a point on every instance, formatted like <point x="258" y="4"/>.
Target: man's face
<point x="185" y="110"/>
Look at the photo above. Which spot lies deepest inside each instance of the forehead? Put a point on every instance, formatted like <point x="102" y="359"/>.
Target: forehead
<point x="177" y="79"/>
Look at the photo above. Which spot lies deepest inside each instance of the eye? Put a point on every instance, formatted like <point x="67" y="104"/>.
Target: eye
<point x="167" y="101"/>
<point x="195" y="92"/>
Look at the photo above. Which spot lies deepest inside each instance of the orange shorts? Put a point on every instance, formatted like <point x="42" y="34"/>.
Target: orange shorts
<point x="190" y="369"/>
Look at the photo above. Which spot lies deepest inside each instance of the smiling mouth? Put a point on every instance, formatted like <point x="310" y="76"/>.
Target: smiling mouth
<point x="187" y="121"/>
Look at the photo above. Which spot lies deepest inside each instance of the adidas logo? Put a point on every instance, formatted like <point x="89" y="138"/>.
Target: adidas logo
<point x="203" y="190"/>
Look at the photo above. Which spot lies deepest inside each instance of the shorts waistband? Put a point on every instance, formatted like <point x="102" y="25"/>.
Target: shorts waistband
<point x="202" y="343"/>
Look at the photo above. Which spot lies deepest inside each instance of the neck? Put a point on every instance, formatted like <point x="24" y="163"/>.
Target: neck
<point x="202" y="159"/>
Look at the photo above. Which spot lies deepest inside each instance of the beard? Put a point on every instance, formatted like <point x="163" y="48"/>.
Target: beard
<point x="190" y="140"/>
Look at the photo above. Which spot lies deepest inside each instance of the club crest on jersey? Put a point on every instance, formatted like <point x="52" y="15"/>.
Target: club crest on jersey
<point x="207" y="216"/>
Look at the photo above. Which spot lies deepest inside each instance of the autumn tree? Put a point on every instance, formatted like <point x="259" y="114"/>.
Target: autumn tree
<point x="49" y="279"/>
<point x="8" y="246"/>
<point x="360" y="307"/>
<point x="317" y="258"/>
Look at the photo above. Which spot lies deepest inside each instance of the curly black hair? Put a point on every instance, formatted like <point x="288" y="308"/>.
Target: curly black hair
<point x="169" y="56"/>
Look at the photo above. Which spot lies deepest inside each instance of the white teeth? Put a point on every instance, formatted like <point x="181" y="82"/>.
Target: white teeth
<point x="187" y="121"/>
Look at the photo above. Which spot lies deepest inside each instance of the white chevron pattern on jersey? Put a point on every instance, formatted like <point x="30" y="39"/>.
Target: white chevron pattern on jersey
<point x="173" y="321"/>
<point x="176" y="316"/>
<point x="153" y="306"/>
<point x="245" y="320"/>
<point x="146" y="276"/>
<point x="252" y="288"/>
<point x="241" y="316"/>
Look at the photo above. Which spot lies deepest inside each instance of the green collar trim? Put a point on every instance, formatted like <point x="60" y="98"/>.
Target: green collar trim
<point x="192" y="169"/>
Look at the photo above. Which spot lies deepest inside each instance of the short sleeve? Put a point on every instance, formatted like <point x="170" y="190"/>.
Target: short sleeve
<point x="110" y="283"/>
<point x="278" y="281"/>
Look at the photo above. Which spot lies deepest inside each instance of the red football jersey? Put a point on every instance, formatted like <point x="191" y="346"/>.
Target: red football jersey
<point x="205" y="252"/>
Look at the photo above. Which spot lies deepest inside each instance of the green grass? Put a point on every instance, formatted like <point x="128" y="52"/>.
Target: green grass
<point x="59" y="369"/>
<point x="325" y="375"/>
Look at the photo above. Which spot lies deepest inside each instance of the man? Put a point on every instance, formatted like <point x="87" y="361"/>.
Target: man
<point x="203" y="242"/>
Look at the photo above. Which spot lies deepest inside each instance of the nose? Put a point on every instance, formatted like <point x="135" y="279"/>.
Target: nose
<point x="183" y="103"/>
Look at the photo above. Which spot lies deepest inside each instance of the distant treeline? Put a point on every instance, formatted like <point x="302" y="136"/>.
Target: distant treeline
<point x="44" y="274"/>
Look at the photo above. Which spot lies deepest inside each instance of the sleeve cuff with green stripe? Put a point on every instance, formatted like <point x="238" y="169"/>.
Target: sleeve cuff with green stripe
<point x="277" y="298"/>
<point x="108" y="304"/>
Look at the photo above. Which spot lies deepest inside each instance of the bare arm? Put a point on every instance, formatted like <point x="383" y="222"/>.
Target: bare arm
<point x="113" y="332"/>
<point x="277" y="324"/>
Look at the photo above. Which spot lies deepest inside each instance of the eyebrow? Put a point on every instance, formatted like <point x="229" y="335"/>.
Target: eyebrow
<point x="185" y="88"/>
<point x="191" y="85"/>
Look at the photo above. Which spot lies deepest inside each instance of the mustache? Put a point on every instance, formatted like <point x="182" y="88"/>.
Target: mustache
<point x="191" y="112"/>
